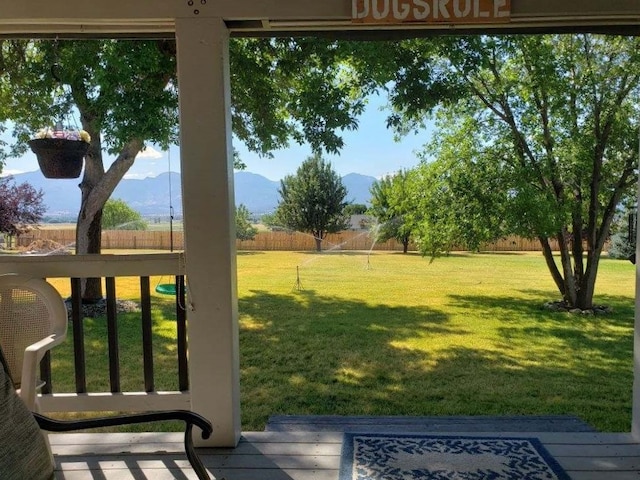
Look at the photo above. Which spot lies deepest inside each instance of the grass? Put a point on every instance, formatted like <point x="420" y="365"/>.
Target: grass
<point x="393" y="334"/>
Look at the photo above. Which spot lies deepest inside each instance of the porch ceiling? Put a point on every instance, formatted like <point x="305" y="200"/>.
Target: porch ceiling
<point x="285" y="17"/>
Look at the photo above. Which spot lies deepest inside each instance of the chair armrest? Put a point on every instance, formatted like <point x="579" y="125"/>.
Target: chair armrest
<point x="190" y="419"/>
<point x="32" y="356"/>
<point x="45" y="344"/>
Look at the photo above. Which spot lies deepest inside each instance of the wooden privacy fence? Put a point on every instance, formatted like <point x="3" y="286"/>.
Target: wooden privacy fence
<point x="294" y="241"/>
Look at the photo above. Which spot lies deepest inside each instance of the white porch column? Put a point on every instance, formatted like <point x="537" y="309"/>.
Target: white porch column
<point x="209" y="225"/>
<point x="635" y="412"/>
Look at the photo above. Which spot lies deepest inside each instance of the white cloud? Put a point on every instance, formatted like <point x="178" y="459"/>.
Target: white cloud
<point x="6" y="173"/>
<point x="139" y="176"/>
<point x="150" y="153"/>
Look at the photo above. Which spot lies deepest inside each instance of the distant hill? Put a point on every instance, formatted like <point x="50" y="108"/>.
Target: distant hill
<point x="150" y="196"/>
<point x="359" y="187"/>
<point x="257" y="193"/>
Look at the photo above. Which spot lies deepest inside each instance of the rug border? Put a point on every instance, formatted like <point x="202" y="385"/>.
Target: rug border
<point x="346" y="453"/>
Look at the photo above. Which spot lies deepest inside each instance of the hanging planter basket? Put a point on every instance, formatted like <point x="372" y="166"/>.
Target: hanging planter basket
<point x="59" y="157"/>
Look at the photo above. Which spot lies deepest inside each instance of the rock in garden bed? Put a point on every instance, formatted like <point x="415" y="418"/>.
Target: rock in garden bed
<point x="561" y="306"/>
<point x="99" y="308"/>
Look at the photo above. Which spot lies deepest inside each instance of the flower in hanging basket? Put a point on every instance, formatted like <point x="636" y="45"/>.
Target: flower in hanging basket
<point x="65" y="134"/>
<point x="60" y="152"/>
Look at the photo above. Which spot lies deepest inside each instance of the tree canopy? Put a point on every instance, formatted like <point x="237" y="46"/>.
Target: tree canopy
<point x="118" y="215"/>
<point x="538" y="138"/>
<point x="125" y="94"/>
<point x="554" y="118"/>
<point x="313" y="200"/>
<point x="395" y="209"/>
<point x="244" y="229"/>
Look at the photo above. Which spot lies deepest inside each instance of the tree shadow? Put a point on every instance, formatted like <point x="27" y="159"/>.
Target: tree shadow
<point x="588" y="355"/>
<point x="308" y="354"/>
<point x="497" y="383"/>
<point x="304" y="353"/>
<point x="531" y="303"/>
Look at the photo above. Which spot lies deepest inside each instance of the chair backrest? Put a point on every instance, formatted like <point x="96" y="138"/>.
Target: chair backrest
<point x="31" y="309"/>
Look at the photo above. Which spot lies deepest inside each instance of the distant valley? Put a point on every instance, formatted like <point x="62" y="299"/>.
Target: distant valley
<point x="150" y="196"/>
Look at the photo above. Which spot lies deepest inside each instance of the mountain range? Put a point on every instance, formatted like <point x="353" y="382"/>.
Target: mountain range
<point x="150" y="196"/>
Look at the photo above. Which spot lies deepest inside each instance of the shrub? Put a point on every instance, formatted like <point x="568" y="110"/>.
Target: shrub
<point x="620" y="247"/>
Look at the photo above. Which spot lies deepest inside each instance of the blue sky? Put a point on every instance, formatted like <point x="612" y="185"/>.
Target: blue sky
<point x="370" y="150"/>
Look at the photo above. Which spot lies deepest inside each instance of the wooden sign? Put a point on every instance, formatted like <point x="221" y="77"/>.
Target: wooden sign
<point x="431" y="11"/>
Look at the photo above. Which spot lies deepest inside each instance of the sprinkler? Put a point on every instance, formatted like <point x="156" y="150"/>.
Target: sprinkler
<point x="298" y="285"/>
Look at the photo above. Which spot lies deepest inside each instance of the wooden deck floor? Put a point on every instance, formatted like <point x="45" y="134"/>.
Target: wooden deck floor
<point x="300" y="456"/>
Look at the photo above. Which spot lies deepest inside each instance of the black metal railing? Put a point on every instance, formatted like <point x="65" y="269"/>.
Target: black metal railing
<point x="143" y="267"/>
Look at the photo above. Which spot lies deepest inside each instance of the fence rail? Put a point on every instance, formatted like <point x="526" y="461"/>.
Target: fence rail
<point x="294" y="241"/>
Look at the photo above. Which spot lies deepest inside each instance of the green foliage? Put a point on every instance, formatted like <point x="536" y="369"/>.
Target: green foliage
<point x="244" y="229"/>
<point x="313" y="200"/>
<point x="620" y="247"/>
<point x="394" y="205"/>
<point x="125" y="94"/>
<point x="117" y="215"/>
<point x="270" y="220"/>
<point x="355" y="209"/>
<point x="293" y="89"/>
<point x="538" y="138"/>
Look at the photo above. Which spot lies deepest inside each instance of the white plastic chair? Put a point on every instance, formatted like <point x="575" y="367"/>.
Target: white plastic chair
<point x="33" y="319"/>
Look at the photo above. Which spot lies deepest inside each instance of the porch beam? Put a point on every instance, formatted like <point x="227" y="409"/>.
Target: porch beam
<point x="209" y="225"/>
<point x="159" y="16"/>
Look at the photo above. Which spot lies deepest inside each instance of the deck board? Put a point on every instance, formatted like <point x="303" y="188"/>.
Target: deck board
<point x="383" y="424"/>
<point x="300" y="455"/>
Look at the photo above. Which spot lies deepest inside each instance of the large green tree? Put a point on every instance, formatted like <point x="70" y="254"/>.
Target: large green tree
<point x="394" y="208"/>
<point x="313" y="200"/>
<point x="244" y="229"/>
<point x="554" y="118"/>
<point x="126" y="96"/>
<point x="118" y="215"/>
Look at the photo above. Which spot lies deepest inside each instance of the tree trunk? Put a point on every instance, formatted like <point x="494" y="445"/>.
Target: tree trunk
<point x="89" y="240"/>
<point x="570" y="287"/>
<point x="575" y="294"/>
<point x="588" y="284"/>
<point x="96" y="187"/>
<point x="405" y="245"/>
<point x="551" y="264"/>
<point x="318" y="243"/>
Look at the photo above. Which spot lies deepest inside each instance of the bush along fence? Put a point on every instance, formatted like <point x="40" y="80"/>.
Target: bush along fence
<point x="288" y="241"/>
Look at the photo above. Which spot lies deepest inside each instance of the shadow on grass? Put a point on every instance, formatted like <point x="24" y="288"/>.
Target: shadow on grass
<point x="531" y="303"/>
<point x="304" y="353"/>
<point x="308" y="354"/>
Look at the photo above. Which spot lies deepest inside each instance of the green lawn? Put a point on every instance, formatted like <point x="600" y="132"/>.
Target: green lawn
<point x="393" y="334"/>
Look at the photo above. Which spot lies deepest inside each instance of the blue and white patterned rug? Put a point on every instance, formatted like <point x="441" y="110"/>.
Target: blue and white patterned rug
<point x="370" y="456"/>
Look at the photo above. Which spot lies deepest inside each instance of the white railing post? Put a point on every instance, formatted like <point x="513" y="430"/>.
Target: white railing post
<point x="635" y="411"/>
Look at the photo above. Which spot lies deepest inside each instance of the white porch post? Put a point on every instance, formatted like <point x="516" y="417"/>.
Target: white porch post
<point x="635" y="412"/>
<point x="209" y="225"/>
